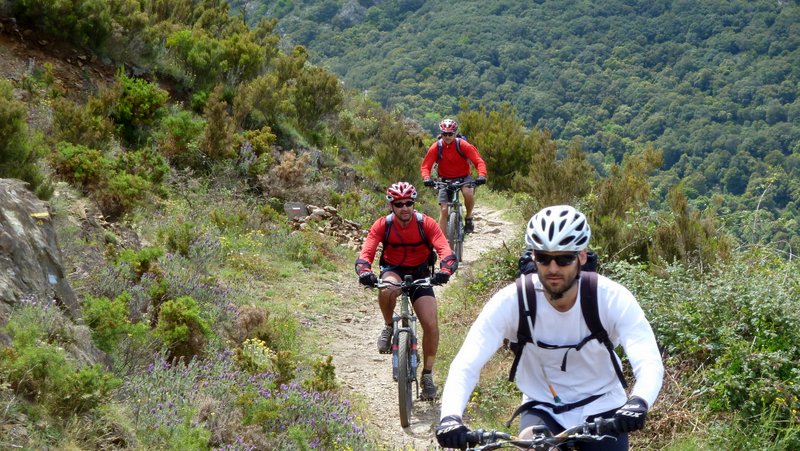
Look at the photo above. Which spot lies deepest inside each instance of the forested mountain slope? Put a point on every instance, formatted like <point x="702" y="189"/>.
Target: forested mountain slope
<point x="712" y="83"/>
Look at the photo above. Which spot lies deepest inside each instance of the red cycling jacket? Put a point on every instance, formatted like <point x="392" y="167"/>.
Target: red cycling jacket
<point x="452" y="165"/>
<point x="405" y="246"/>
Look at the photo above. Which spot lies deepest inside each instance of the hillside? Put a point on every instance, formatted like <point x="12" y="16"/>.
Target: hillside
<point x="714" y="84"/>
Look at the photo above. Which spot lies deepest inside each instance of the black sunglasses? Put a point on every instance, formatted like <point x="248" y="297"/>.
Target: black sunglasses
<point x="448" y="134"/>
<point x="561" y="260"/>
<point x="407" y="203"/>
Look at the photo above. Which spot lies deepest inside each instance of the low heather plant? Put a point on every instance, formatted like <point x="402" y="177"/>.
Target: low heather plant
<point x="244" y="410"/>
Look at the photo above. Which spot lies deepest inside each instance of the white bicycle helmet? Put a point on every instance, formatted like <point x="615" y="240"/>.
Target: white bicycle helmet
<point x="560" y="228"/>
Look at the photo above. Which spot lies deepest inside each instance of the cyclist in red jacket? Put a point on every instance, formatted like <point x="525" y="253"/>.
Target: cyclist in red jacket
<point x="407" y="249"/>
<point x="456" y="155"/>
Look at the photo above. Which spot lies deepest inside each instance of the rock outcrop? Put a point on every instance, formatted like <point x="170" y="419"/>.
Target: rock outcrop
<point x="30" y="259"/>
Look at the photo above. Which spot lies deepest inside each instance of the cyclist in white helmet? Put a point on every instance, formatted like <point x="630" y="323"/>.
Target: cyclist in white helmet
<point x="565" y="375"/>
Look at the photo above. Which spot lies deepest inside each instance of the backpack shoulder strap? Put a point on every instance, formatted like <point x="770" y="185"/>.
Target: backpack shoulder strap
<point x="458" y="148"/>
<point x="591" y="314"/>
<point x="389" y="219"/>
<point x="526" y="303"/>
<point x="420" y="220"/>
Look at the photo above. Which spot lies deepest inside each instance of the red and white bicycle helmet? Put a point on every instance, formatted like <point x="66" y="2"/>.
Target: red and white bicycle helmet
<point x="448" y="126"/>
<point x="401" y="190"/>
<point x="560" y="228"/>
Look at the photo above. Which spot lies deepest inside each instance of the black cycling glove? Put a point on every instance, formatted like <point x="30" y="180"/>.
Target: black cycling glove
<point x="368" y="279"/>
<point x="451" y="433"/>
<point x="440" y="278"/>
<point x="631" y="416"/>
<point x="427" y="182"/>
<point x="480" y="181"/>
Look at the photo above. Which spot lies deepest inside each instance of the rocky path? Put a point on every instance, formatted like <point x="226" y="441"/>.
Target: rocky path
<point x="367" y="375"/>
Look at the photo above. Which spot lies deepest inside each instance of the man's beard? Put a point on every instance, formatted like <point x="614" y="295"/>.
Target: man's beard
<point x="556" y="295"/>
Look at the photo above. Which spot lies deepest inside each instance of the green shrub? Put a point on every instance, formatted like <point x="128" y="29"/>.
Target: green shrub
<point x="229" y="219"/>
<point x="178" y="238"/>
<point x="141" y="261"/>
<point x="219" y="140"/>
<point x="389" y="164"/>
<point x="501" y="140"/>
<point x="262" y="141"/>
<point x="86" y="389"/>
<point x="110" y="323"/>
<point x="80" y="124"/>
<point x="117" y="185"/>
<point x="181" y="327"/>
<point x="324" y="378"/>
<point x="87" y="168"/>
<point x="36" y="372"/>
<point x="135" y="106"/>
<point x="19" y="150"/>
<point x="310" y="249"/>
<point x="255" y="356"/>
<point x="179" y="139"/>
<point x="122" y="192"/>
<point x="85" y="22"/>
<point x="732" y="325"/>
<point x="42" y="373"/>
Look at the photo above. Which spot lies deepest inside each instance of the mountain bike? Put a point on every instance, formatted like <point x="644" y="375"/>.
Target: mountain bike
<point x="455" y="222"/>
<point x="543" y="439"/>
<point x="405" y="358"/>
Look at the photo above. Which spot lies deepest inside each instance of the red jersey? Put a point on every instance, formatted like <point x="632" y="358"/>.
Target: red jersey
<point x="452" y="165"/>
<point x="405" y="246"/>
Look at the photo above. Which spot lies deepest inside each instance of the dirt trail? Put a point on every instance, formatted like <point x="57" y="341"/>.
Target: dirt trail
<point x="367" y="374"/>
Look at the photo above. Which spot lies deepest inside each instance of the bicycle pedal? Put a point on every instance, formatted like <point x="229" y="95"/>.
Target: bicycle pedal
<point x="385" y="352"/>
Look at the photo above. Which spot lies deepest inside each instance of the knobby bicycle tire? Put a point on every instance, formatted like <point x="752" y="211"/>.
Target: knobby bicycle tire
<point x="404" y="377"/>
<point x="453" y="229"/>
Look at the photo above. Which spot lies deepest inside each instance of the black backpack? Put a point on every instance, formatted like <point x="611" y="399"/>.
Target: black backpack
<point x="527" y="315"/>
<point x="431" y="258"/>
<point x="458" y="146"/>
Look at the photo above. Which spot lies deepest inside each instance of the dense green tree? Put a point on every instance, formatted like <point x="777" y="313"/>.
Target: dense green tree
<point x="500" y="139"/>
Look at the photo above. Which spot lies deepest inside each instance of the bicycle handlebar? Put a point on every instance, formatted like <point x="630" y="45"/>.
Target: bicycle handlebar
<point x="595" y="430"/>
<point x="439" y="184"/>
<point x="419" y="283"/>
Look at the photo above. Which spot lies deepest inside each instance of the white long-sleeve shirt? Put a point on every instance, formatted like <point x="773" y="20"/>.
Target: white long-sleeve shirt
<point x="588" y="371"/>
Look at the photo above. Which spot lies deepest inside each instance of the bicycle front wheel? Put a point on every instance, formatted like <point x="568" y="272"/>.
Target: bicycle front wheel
<point x="404" y="377"/>
<point x="453" y="229"/>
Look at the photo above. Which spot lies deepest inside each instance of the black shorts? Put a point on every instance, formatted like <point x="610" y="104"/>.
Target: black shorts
<point x="419" y="272"/>
<point x="444" y="195"/>
<point x="534" y="417"/>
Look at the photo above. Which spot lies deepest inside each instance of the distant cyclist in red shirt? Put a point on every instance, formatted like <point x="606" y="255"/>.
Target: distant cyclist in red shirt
<point x="454" y="164"/>
<point x="406" y="250"/>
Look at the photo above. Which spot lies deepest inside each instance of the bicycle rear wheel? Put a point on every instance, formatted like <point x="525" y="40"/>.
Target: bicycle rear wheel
<point x="404" y="377"/>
